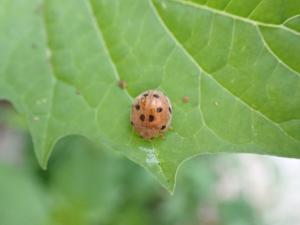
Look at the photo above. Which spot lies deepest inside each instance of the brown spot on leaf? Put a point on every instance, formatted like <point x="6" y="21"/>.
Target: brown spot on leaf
<point x="122" y="84"/>
<point x="185" y="99"/>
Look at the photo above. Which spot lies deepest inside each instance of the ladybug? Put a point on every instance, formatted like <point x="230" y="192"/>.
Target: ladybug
<point x="151" y="114"/>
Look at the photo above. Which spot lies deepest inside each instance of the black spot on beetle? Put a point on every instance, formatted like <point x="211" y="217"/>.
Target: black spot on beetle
<point x="163" y="127"/>
<point x="145" y="95"/>
<point x="137" y="107"/>
<point x="156" y="96"/>
<point x="142" y="117"/>
<point x="151" y="118"/>
<point x="170" y="110"/>
<point x="159" y="109"/>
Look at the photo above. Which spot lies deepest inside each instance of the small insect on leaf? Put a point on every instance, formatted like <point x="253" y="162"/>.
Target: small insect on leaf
<point x="151" y="114"/>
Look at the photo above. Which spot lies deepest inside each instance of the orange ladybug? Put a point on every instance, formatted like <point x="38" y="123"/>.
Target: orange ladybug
<point x="151" y="114"/>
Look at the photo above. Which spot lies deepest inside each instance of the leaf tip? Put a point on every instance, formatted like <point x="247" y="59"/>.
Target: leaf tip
<point x="43" y="153"/>
<point x="43" y="162"/>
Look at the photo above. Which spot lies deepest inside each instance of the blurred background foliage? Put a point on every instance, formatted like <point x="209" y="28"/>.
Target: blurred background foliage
<point x="87" y="186"/>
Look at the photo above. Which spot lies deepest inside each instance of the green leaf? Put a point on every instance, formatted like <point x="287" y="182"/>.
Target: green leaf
<point x="238" y="61"/>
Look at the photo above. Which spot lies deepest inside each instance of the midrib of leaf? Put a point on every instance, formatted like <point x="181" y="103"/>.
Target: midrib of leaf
<point x="48" y="55"/>
<point x="102" y="39"/>
<point x="204" y="72"/>
<point x="97" y="27"/>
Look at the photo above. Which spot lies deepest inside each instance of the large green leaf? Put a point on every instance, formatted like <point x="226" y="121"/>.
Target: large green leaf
<point x="237" y="60"/>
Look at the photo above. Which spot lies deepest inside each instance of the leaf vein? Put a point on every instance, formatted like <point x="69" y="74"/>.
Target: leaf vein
<point x="224" y="13"/>
<point x="273" y="53"/>
<point x="104" y="43"/>
<point x="255" y="8"/>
